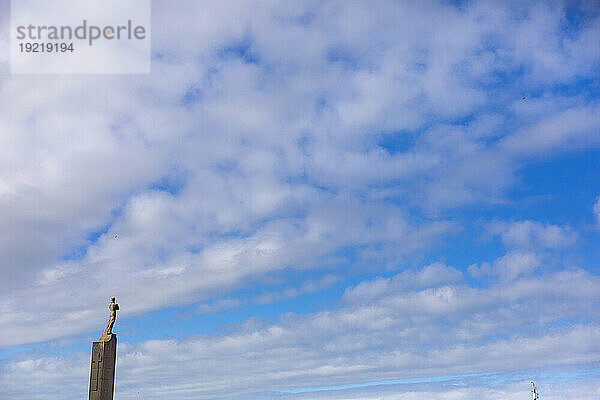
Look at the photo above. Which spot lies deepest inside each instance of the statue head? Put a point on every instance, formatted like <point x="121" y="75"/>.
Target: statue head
<point x="112" y="299"/>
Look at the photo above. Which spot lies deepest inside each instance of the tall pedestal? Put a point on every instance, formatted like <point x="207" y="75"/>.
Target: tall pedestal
<point x="102" y="377"/>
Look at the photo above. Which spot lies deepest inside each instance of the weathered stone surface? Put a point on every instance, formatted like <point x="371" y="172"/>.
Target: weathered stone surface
<point x="102" y="376"/>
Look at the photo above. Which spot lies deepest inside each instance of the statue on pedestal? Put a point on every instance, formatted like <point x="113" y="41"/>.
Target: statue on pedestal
<point x="104" y="357"/>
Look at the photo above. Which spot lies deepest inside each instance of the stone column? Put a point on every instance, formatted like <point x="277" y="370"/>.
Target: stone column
<point x="102" y="376"/>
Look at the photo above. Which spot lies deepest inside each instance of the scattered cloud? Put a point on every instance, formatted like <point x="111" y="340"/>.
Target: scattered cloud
<point x="308" y="286"/>
<point x="323" y="143"/>
<point x="532" y="234"/>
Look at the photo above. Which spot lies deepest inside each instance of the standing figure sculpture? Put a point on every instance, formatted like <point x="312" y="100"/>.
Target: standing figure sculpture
<point x="113" y="307"/>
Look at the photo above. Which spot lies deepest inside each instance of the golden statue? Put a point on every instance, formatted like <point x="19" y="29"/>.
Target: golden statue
<point x="113" y="307"/>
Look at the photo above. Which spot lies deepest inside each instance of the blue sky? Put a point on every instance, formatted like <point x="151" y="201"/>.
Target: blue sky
<point x="312" y="200"/>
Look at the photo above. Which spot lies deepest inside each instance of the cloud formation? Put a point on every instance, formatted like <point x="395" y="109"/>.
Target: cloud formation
<point x="279" y="151"/>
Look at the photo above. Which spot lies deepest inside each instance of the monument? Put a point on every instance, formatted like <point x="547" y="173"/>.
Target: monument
<point x="104" y="357"/>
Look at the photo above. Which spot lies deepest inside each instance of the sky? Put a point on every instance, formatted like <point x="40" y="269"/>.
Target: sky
<point x="311" y="200"/>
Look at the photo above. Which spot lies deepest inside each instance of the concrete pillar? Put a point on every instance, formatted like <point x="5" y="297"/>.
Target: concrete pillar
<point x="102" y="376"/>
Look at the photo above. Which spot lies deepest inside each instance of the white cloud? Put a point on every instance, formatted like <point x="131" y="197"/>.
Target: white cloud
<point x="573" y="128"/>
<point x="308" y="286"/>
<point x="431" y="275"/>
<point x="258" y="145"/>
<point x="307" y="116"/>
<point x="217" y="306"/>
<point x="597" y="210"/>
<point x="152" y="268"/>
<point x="509" y="266"/>
<point x="462" y="389"/>
<point x="533" y="234"/>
